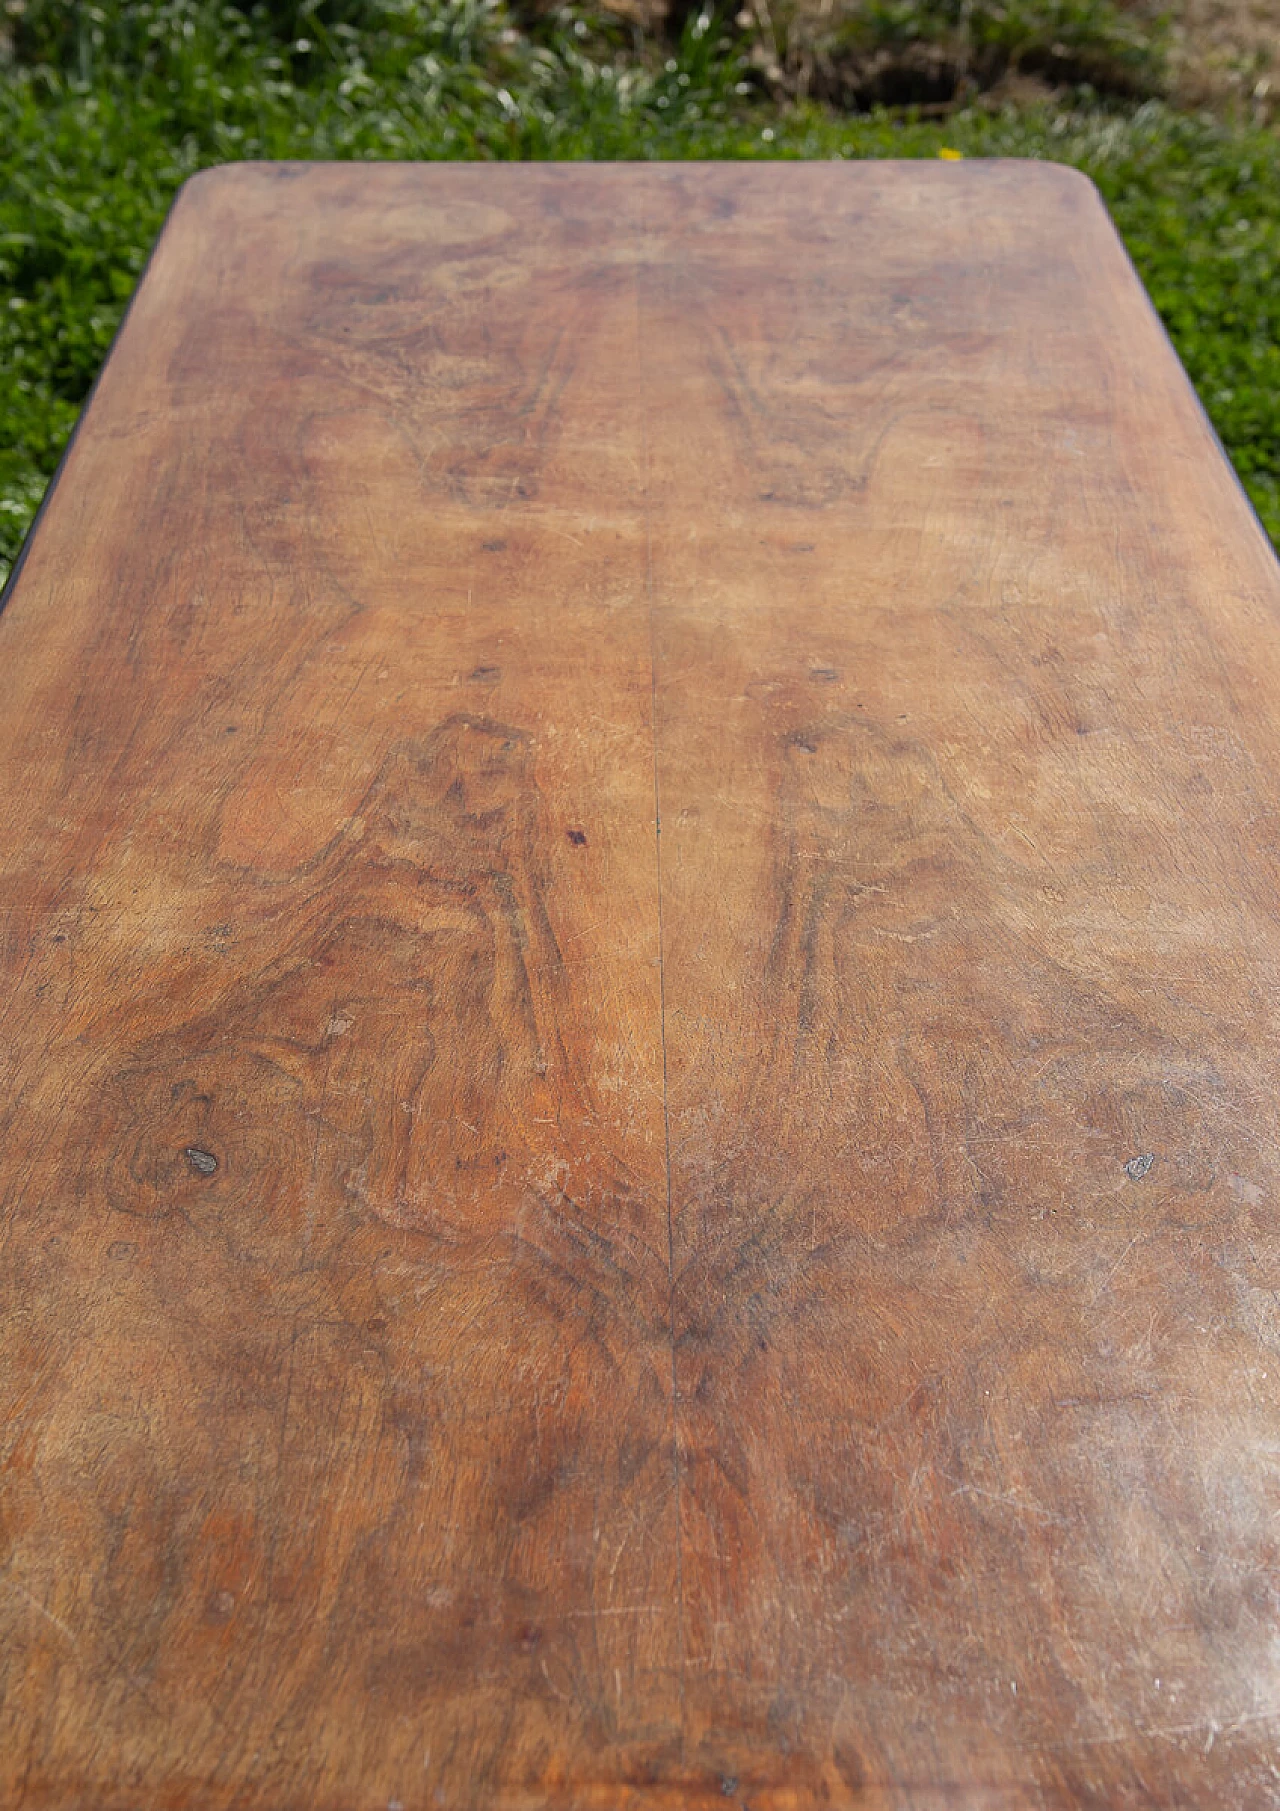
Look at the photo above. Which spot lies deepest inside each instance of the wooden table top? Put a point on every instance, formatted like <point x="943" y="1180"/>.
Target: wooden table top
<point x="641" y="845"/>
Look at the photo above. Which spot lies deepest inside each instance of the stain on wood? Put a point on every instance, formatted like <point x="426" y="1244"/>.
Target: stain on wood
<point x="639" y="1154"/>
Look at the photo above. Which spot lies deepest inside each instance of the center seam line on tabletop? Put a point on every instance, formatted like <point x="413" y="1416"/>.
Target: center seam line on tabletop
<point x="641" y="228"/>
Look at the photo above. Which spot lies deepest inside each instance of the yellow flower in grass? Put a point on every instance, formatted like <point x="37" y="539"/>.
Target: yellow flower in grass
<point x="950" y="156"/>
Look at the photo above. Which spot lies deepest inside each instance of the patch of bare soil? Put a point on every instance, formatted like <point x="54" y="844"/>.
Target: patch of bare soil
<point x="1219" y="54"/>
<point x="1227" y="52"/>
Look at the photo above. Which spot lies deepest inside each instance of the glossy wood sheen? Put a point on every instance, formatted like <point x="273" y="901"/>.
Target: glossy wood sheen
<point x="640" y="864"/>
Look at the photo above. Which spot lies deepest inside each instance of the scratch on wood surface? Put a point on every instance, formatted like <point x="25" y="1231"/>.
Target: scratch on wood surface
<point x="1115" y="1268"/>
<point x="20" y="1591"/>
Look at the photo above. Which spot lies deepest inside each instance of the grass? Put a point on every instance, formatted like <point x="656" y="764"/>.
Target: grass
<point x="104" y="111"/>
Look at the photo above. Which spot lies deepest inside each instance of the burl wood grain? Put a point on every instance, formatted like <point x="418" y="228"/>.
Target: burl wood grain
<point x="641" y="858"/>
